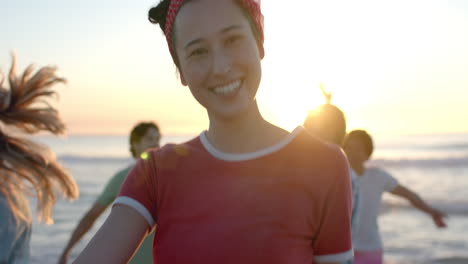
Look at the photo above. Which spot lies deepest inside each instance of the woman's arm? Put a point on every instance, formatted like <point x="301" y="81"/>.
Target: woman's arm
<point x="81" y="229"/>
<point x="117" y="239"/>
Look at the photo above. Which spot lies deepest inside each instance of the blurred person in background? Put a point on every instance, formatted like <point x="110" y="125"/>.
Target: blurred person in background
<point x="373" y="182"/>
<point x="328" y="123"/>
<point x="27" y="168"/>
<point x="144" y="135"/>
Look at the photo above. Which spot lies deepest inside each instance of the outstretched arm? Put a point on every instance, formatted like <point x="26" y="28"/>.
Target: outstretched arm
<point x="117" y="239"/>
<point x="417" y="202"/>
<point x="83" y="227"/>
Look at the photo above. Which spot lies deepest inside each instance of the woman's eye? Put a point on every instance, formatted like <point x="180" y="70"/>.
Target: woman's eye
<point x="233" y="39"/>
<point x="197" y="52"/>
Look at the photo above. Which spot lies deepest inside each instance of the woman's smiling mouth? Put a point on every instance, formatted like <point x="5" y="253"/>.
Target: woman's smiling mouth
<point x="227" y="89"/>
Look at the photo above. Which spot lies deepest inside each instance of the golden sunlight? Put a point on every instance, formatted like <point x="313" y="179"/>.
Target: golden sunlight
<point x="297" y="61"/>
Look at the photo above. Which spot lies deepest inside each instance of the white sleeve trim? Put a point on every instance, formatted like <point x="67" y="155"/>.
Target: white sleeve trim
<point x="141" y="209"/>
<point x="340" y="257"/>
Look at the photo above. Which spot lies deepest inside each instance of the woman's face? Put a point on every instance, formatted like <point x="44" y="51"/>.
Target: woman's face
<point x="218" y="55"/>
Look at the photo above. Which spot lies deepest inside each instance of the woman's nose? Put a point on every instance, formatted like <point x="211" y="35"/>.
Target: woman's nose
<point x="221" y="62"/>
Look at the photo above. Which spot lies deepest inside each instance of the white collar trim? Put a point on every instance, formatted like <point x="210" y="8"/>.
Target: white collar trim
<point x="250" y="155"/>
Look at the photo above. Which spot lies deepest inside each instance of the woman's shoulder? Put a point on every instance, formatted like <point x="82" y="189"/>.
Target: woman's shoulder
<point x="171" y="150"/>
<point x="308" y="153"/>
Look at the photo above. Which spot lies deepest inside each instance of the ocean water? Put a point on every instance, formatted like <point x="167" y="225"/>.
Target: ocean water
<point x="435" y="166"/>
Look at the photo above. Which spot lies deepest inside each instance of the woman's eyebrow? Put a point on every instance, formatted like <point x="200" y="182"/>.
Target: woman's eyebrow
<point x="193" y="42"/>
<point x="224" y="30"/>
<point x="233" y="27"/>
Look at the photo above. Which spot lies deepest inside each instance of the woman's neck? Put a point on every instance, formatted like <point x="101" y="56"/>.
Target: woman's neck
<point x="248" y="132"/>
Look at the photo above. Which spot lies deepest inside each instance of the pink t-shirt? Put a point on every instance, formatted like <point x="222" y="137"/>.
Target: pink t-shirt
<point x="289" y="203"/>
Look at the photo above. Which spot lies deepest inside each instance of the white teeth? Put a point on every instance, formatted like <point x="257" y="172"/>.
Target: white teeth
<point x="229" y="88"/>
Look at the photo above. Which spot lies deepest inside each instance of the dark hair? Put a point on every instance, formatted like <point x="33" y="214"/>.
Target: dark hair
<point x="363" y="137"/>
<point x="329" y="116"/>
<point x="138" y="132"/>
<point x="157" y="15"/>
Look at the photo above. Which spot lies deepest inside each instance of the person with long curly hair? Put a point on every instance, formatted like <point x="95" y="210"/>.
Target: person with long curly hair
<point x="26" y="167"/>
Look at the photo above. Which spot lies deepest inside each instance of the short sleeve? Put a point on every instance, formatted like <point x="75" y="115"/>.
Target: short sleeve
<point x="389" y="182"/>
<point x="138" y="189"/>
<point x="333" y="241"/>
<point x="112" y="188"/>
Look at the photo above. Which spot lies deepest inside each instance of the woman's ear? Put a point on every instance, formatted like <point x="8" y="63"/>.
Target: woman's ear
<point x="262" y="51"/>
<point x="182" y="79"/>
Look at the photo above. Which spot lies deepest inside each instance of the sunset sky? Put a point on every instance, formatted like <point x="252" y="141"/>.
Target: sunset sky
<point x="393" y="66"/>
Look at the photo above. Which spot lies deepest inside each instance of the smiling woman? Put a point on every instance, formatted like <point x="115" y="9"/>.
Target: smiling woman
<point x="228" y="195"/>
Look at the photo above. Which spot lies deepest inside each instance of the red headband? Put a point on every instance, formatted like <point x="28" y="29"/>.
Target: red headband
<point x="251" y="6"/>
